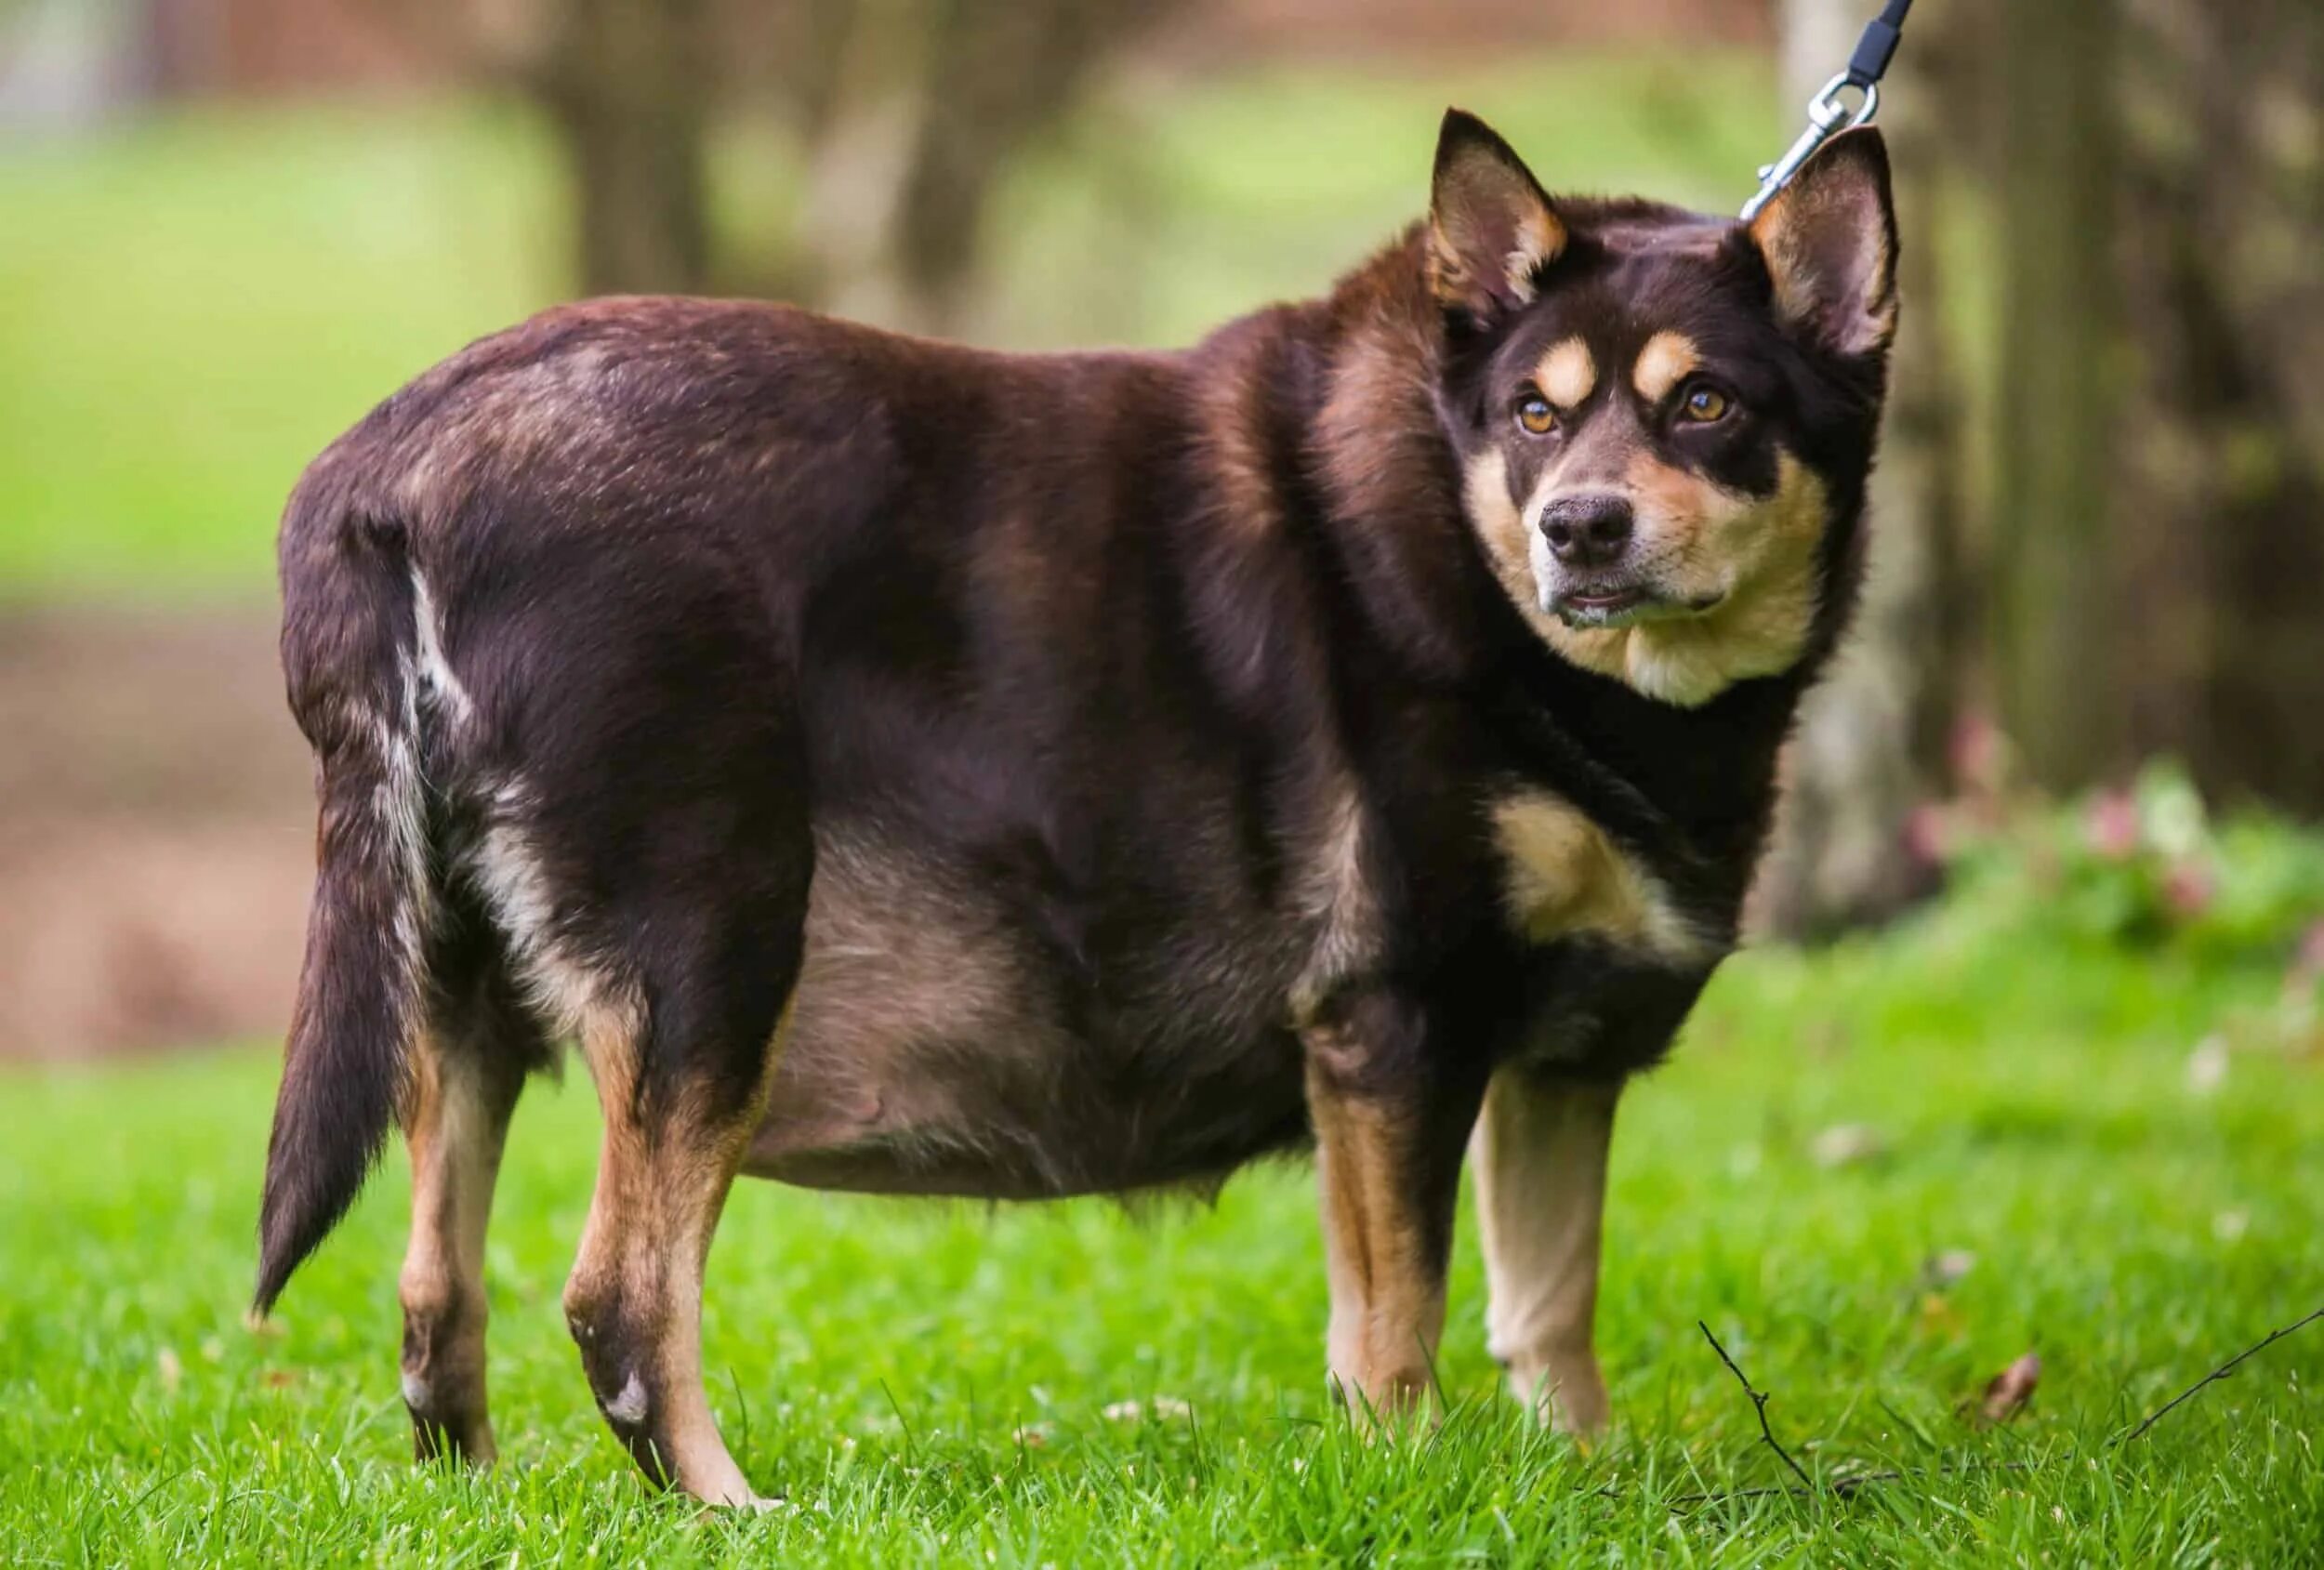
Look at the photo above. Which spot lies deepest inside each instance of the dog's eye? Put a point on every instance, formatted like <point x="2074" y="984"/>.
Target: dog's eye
<point x="1536" y="416"/>
<point x="1705" y="404"/>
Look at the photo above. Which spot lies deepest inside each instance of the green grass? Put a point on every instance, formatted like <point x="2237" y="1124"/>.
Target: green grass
<point x="874" y="1360"/>
<point x="192" y="305"/>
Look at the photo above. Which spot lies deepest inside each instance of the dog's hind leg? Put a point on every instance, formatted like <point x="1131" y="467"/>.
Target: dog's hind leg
<point x="684" y="1044"/>
<point x="1540" y="1151"/>
<point x="649" y="860"/>
<point x="672" y="1143"/>
<point x="467" y="1068"/>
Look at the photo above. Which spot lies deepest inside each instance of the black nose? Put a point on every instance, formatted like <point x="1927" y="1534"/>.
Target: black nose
<point x="1587" y="531"/>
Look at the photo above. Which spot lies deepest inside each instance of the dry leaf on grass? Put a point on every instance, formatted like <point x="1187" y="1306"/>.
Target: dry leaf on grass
<point x="2207" y="1066"/>
<point x="1845" y="1144"/>
<point x="2007" y="1392"/>
<point x="1945" y="1267"/>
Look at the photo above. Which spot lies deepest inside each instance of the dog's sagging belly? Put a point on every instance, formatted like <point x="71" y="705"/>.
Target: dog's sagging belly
<point x="935" y="1045"/>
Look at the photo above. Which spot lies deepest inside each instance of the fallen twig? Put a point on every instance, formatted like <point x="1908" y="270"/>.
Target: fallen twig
<point x="2219" y="1373"/>
<point x="1848" y="1486"/>
<point x="1759" y="1405"/>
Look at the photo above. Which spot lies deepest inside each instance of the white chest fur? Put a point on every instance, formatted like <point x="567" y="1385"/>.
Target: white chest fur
<point x="1563" y="876"/>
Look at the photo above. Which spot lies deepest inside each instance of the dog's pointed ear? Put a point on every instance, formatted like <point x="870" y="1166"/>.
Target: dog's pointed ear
<point x="1829" y="241"/>
<point x="1491" y="227"/>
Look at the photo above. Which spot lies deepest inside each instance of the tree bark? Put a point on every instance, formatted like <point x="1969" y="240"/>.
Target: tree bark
<point x="1872" y="738"/>
<point x="2222" y="441"/>
<point x="2057" y="559"/>
<point x="628" y="88"/>
<point x="927" y="105"/>
<point x="1010" y="71"/>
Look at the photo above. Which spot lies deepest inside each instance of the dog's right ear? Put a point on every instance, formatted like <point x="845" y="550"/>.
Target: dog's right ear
<point x="1491" y="227"/>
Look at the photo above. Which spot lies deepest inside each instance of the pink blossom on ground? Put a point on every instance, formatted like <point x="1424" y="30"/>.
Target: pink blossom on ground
<point x="2189" y="887"/>
<point x="2110" y="825"/>
<point x="1931" y="837"/>
<point x="1980" y="755"/>
<point x="2311" y="959"/>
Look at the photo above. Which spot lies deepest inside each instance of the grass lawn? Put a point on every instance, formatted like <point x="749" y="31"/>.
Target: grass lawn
<point x="192" y="305"/>
<point x="930" y="1383"/>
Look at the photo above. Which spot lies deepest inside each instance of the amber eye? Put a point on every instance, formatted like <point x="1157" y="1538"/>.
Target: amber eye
<point x="1535" y="413"/>
<point x="1705" y="404"/>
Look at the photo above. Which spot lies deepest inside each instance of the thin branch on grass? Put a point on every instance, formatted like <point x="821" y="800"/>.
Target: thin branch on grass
<point x="1759" y="1405"/>
<point x="1428" y="1361"/>
<point x="1846" y="1486"/>
<point x="911" y="1443"/>
<point x="742" y="1401"/>
<point x="2219" y="1373"/>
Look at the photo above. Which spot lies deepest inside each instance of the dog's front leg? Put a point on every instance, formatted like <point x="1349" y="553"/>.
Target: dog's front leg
<point x="1391" y="1117"/>
<point x="1540" y="1149"/>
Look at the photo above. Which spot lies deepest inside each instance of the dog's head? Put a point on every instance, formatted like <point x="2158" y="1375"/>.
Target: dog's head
<point x="1665" y="420"/>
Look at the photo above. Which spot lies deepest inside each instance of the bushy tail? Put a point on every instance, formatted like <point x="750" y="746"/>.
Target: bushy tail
<point x="349" y="654"/>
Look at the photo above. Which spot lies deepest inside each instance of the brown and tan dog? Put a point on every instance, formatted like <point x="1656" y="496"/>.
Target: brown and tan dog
<point x="905" y="768"/>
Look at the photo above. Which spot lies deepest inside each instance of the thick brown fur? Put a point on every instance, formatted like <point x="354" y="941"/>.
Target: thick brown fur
<point x="906" y="767"/>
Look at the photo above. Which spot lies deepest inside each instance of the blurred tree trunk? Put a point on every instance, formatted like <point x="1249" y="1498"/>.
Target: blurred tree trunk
<point x="628" y="86"/>
<point x="2223" y="439"/>
<point x="1872" y="738"/>
<point x="2058" y="559"/>
<point x="909" y="112"/>
<point x="1007" y="72"/>
<point x="927" y="104"/>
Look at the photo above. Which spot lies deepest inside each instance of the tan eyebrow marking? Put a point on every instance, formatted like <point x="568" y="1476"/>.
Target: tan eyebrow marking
<point x="1568" y="373"/>
<point x="1668" y="358"/>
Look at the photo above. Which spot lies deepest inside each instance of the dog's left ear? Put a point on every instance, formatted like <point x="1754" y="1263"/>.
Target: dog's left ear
<point x="1829" y="241"/>
<point x="1491" y="225"/>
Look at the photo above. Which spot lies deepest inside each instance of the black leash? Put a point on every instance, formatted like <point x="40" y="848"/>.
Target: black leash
<point x="1828" y="111"/>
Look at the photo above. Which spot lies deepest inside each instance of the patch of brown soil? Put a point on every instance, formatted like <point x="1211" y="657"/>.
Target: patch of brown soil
<point x="156" y="832"/>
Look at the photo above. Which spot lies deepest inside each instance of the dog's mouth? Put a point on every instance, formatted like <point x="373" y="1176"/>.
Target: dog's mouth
<point x="1595" y="605"/>
<point x="1602" y="605"/>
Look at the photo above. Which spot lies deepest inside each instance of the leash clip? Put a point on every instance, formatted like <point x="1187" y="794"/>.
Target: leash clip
<point x="1827" y="115"/>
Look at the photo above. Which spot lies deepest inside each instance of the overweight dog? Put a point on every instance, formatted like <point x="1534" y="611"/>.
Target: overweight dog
<point x="901" y="767"/>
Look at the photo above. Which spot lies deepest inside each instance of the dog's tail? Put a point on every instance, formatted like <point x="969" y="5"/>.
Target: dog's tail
<point x="351" y="605"/>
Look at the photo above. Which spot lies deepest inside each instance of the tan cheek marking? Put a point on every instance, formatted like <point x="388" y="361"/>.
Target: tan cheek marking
<point x="1680" y="499"/>
<point x="1485" y="486"/>
<point x="1805" y="506"/>
<point x="1760" y="555"/>
<point x="1564" y="877"/>
<point x="1668" y="358"/>
<point x="1567" y="374"/>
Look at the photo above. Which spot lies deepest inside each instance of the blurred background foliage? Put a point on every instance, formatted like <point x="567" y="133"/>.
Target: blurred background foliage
<point x="227" y="227"/>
